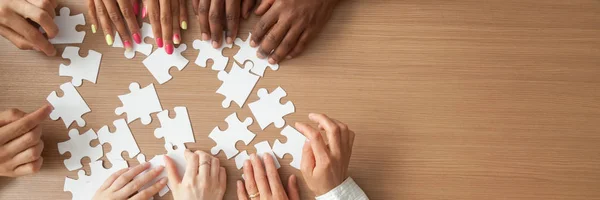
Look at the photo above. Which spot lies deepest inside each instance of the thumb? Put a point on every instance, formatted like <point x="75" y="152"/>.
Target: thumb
<point x="173" y="174"/>
<point x="292" y="188"/>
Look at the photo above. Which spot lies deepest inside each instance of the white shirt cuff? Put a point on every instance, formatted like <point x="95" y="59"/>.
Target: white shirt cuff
<point x="348" y="190"/>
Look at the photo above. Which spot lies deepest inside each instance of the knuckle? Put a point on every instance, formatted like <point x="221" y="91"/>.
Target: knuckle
<point x="115" y="17"/>
<point x="272" y="37"/>
<point x="202" y="9"/>
<point x="232" y="16"/>
<point x="126" y="13"/>
<point x="14" y="113"/>
<point x="213" y="17"/>
<point x="46" y="4"/>
<point x="30" y="138"/>
<point x="154" y="18"/>
<point x="32" y="33"/>
<point x="165" y="18"/>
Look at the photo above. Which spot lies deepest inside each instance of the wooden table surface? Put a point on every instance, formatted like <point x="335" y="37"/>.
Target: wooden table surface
<point x="464" y="99"/>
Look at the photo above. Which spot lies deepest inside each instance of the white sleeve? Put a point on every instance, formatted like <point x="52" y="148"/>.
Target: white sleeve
<point x="348" y="190"/>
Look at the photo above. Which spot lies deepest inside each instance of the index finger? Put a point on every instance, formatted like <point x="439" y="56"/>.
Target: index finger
<point x="25" y="124"/>
<point x="272" y="174"/>
<point x="332" y="131"/>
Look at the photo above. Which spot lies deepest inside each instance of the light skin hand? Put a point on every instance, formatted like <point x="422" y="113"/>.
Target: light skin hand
<point x="14" y="24"/>
<point x="126" y="182"/>
<point x="204" y="178"/>
<point x="21" y="145"/>
<point x="286" y="27"/>
<point x="212" y="13"/>
<point x="265" y="181"/>
<point x="325" y="165"/>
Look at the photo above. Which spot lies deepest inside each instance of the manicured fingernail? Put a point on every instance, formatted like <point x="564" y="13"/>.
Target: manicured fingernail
<point x="288" y="57"/>
<point x="109" y="40"/>
<point x="128" y="46"/>
<point x="136" y="9"/>
<point x="229" y="40"/>
<point x="272" y="61"/>
<point x="205" y="36"/>
<point x="144" y="12"/>
<point x="184" y="25"/>
<point x="215" y="44"/>
<point x="137" y="38"/>
<point x="159" y="42"/>
<point x="93" y="28"/>
<point x="252" y="43"/>
<point x="176" y="39"/>
<point x="169" y="49"/>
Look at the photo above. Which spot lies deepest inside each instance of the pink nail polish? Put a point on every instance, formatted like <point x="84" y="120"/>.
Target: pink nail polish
<point x="144" y="12"/>
<point x="137" y="38"/>
<point x="136" y="8"/>
<point x="169" y="49"/>
<point x="159" y="42"/>
<point x="176" y="38"/>
<point x="127" y="45"/>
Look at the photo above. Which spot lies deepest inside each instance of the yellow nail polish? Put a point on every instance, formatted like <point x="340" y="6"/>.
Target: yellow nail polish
<point x="93" y="28"/>
<point x="109" y="40"/>
<point x="184" y="25"/>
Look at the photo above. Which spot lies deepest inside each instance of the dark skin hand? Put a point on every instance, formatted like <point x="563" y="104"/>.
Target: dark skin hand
<point x="216" y="16"/>
<point x="287" y="26"/>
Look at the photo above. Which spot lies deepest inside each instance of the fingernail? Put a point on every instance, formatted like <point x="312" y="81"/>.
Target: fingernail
<point x="93" y="28"/>
<point x="252" y="43"/>
<point x="215" y="44"/>
<point x="176" y="39"/>
<point x="184" y="25"/>
<point x="53" y="53"/>
<point x="109" y="40"/>
<point x="253" y="157"/>
<point x="205" y="36"/>
<point x="169" y="49"/>
<point x="136" y="9"/>
<point x="229" y="40"/>
<point x="311" y="115"/>
<point x="137" y="38"/>
<point x="160" y="167"/>
<point x="272" y="61"/>
<point x="128" y="46"/>
<point x="144" y="12"/>
<point x="159" y="42"/>
<point x="163" y="180"/>
<point x="260" y="55"/>
<point x="288" y="57"/>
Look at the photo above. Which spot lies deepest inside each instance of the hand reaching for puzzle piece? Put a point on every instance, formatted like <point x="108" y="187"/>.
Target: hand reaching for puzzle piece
<point x="16" y="28"/>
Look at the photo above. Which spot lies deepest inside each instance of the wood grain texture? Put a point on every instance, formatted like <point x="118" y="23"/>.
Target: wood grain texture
<point x="464" y="99"/>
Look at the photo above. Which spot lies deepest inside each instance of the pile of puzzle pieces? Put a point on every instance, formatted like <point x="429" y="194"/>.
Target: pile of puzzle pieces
<point x="237" y="85"/>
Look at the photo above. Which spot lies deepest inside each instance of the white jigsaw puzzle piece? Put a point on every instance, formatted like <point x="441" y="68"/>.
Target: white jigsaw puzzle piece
<point x="176" y="131"/>
<point x="226" y="140"/>
<point x="70" y="107"/>
<point x="121" y="140"/>
<point x="237" y="85"/>
<point x="67" y="33"/>
<point x="268" y="108"/>
<point x="80" y="188"/>
<point x="159" y="63"/>
<point x="139" y="103"/>
<point x="80" y="68"/>
<point x="79" y="147"/>
<point x="248" y="53"/>
<point x="86" y="186"/>
<point x="293" y="146"/>
<point x="208" y="52"/>
<point x="156" y="161"/>
<point x="143" y="47"/>
<point x="240" y="159"/>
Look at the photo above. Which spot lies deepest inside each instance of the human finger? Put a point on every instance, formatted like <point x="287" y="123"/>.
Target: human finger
<point x="215" y="167"/>
<point x="264" y="7"/>
<point x="203" y="9"/>
<point x="232" y="16"/>
<point x="105" y="22"/>
<point x="48" y="6"/>
<point x="286" y="45"/>
<point x="16" y="39"/>
<point x="332" y="131"/>
<point x="29" y="168"/>
<point x="301" y="44"/>
<point x="259" y="175"/>
<point x="111" y="179"/>
<point x="127" y="10"/>
<point x="33" y="35"/>
<point x="292" y="188"/>
<point x="247" y="7"/>
<point x="24" y="142"/>
<point x="25" y="124"/>
<point x="344" y="135"/>
<point x="223" y="178"/>
<point x="175" y="24"/>
<point x="153" y="8"/>
<point x="10" y="115"/>
<point x="38" y="15"/>
<point x="114" y="13"/>
<point x="29" y="155"/>
<point x="172" y="172"/>
<point x="241" y="191"/>
<point x="126" y="177"/>
<point x="139" y="181"/>
<point x="205" y="164"/>
<point x="316" y="141"/>
<point x="215" y="19"/>
<point x="250" y="182"/>
<point x="272" y="174"/>
<point x="165" y="22"/>
<point x="272" y="39"/>
<point x="92" y="14"/>
<point x="193" y="161"/>
<point x="151" y="191"/>
<point x="183" y="14"/>
<point x="262" y="27"/>
<point x="307" y="164"/>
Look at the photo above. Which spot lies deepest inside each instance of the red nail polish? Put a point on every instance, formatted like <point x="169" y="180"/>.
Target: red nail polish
<point x="159" y="42"/>
<point x="127" y="45"/>
<point x="136" y="8"/>
<point x="137" y="38"/>
<point x="144" y="12"/>
<point x="169" y="49"/>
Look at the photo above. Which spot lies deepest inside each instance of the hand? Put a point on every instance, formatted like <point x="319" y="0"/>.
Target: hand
<point x="204" y="177"/>
<point x="16" y="24"/>
<point x="20" y="141"/>
<point x="167" y="17"/>
<point x="287" y="26"/>
<point x="264" y="186"/>
<point x="121" y="14"/>
<point x="325" y="166"/>
<point x="125" y="182"/>
<point x="212" y="14"/>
